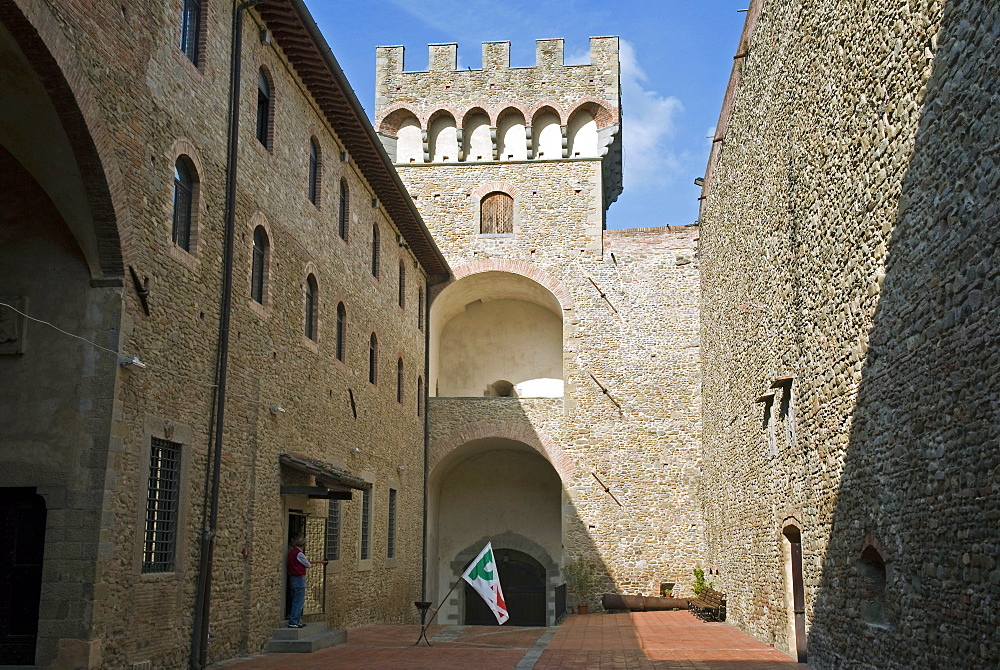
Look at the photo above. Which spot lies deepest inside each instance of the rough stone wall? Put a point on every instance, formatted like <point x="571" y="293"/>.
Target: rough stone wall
<point x="156" y="105"/>
<point x="849" y="240"/>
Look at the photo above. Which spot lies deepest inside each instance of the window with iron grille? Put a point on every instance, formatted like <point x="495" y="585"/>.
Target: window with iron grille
<point x="184" y="184"/>
<point x="376" y="261"/>
<point x="263" y="109"/>
<point x="497" y="214"/>
<point x="373" y="359"/>
<point x="366" y="524"/>
<point x="160" y="541"/>
<point x="314" y="172"/>
<point x="341" y="330"/>
<point x="259" y="268"/>
<point x="344" y="210"/>
<point x="191" y="29"/>
<point x="333" y="531"/>
<point x="390" y="550"/>
<point x="312" y="307"/>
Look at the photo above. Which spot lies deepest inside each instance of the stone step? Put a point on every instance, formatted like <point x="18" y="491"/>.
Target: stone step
<point x="313" y="637"/>
<point x="312" y="628"/>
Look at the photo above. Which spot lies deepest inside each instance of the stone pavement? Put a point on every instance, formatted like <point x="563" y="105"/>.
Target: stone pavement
<point x="636" y="641"/>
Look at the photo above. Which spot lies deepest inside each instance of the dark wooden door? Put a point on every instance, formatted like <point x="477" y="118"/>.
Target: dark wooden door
<point x="522" y="579"/>
<point x="22" y="541"/>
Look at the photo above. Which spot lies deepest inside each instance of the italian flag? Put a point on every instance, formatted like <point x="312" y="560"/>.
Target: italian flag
<point x="482" y="575"/>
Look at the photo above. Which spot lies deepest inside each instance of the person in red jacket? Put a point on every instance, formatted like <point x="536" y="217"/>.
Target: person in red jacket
<point x="296" y="565"/>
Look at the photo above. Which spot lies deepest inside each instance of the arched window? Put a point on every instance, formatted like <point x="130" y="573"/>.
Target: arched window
<point x="399" y="381"/>
<point x="264" y="109"/>
<point x="258" y="272"/>
<point x="191" y="29"/>
<point x="420" y="396"/>
<point x="496" y="214"/>
<point x="341" y="330"/>
<point x="185" y="190"/>
<point x="871" y="565"/>
<point x="420" y="309"/>
<point x="314" y="171"/>
<point x="373" y="359"/>
<point x="345" y="210"/>
<point x="402" y="284"/>
<point x="312" y="308"/>
<point x="375" y="251"/>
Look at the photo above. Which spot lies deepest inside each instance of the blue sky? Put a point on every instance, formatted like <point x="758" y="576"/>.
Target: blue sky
<point x="676" y="58"/>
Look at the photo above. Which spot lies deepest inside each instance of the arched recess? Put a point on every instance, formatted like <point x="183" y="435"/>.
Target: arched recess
<point x="442" y="134"/>
<point x="41" y="108"/>
<point x="405" y="127"/>
<point x="546" y="134"/>
<point x="468" y="505"/>
<point x="496" y="324"/>
<point x="477" y="140"/>
<point x="511" y="138"/>
<point x="582" y="135"/>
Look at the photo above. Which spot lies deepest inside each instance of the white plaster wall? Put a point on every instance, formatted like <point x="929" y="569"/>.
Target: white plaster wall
<point x="513" y="340"/>
<point x="410" y="144"/>
<point x="503" y="487"/>
<point x="513" y="142"/>
<point x="478" y="145"/>
<point x="582" y="133"/>
<point x="547" y="137"/>
<point x="444" y="140"/>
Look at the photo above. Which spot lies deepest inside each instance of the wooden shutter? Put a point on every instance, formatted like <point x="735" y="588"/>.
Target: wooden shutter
<point x="497" y="214"/>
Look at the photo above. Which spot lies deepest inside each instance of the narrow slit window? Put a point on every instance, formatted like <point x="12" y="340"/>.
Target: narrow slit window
<point x="373" y="359"/>
<point x="399" y="381"/>
<point x="366" y="524"/>
<point x="184" y="186"/>
<point x="314" y="172"/>
<point x="402" y="284"/>
<point x="344" y="210"/>
<point x="312" y="308"/>
<point x="420" y="309"/>
<point x="258" y="273"/>
<point x="341" y="330"/>
<point x="375" y="251"/>
<point x="390" y="544"/>
<point x="420" y="396"/>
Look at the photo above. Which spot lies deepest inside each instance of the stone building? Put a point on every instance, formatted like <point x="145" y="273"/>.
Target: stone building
<point x="563" y="362"/>
<point x="121" y="336"/>
<point x="850" y="306"/>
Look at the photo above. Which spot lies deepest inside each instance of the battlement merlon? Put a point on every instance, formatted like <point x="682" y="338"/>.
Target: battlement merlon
<point x="550" y="78"/>
<point x="496" y="56"/>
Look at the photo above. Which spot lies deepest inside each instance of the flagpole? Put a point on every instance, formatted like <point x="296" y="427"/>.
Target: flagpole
<point x="444" y="600"/>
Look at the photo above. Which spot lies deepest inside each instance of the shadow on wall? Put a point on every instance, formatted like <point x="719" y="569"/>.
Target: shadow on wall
<point x="497" y="479"/>
<point x="911" y="569"/>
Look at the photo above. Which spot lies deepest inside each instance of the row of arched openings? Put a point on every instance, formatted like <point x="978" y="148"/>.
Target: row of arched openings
<point x="513" y="138"/>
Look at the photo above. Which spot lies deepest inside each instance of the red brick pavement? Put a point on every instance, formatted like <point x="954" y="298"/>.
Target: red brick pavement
<point x="637" y="641"/>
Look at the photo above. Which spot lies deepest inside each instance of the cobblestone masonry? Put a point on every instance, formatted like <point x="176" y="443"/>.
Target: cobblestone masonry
<point x="849" y="239"/>
<point x="155" y="104"/>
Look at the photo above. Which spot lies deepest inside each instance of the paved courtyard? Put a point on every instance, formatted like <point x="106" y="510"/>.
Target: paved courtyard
<point x="636" y="641"/>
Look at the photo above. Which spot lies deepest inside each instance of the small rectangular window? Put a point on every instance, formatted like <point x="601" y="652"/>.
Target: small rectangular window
<point x="333" y="531"/>
<point x="366" y="524"/>
<point x="391" y="541"/>
<point x="160" y="541"/>
<point x="191" y="29"/>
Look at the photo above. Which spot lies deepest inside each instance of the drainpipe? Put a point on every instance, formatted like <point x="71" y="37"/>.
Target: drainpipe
<point x="202" y="608"/>
<point x="427" y="428"/>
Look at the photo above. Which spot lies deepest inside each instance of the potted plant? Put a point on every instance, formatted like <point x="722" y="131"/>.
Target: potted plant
<point x="580" y="580"/>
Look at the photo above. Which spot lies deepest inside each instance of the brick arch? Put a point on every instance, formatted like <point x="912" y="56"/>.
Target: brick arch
<point x="493" y="187"/>
<point x="55" y="62"/>
<point x="502" y="111"/>
<point x="603" y="114"/>
<point x="554" y="106"/>
<point x="519" y="267"/>
<point x="388" y="122"/>
<point x="519" y="431"/>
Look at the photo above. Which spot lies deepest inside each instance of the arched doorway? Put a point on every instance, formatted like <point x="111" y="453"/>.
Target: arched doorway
<point x="522" y="579"/>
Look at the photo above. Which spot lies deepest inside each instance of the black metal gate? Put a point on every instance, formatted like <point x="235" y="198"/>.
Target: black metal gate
<point x="522" y="579"/>
<point x="22" y="541"/>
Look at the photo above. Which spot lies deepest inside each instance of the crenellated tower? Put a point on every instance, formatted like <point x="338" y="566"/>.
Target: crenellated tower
<point x="550" y="367"/>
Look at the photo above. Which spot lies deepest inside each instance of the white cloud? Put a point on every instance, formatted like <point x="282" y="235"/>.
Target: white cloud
<point x="648" y="126"/>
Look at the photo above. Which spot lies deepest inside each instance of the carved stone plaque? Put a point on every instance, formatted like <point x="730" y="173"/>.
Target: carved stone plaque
<point x="13" y="326"/>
